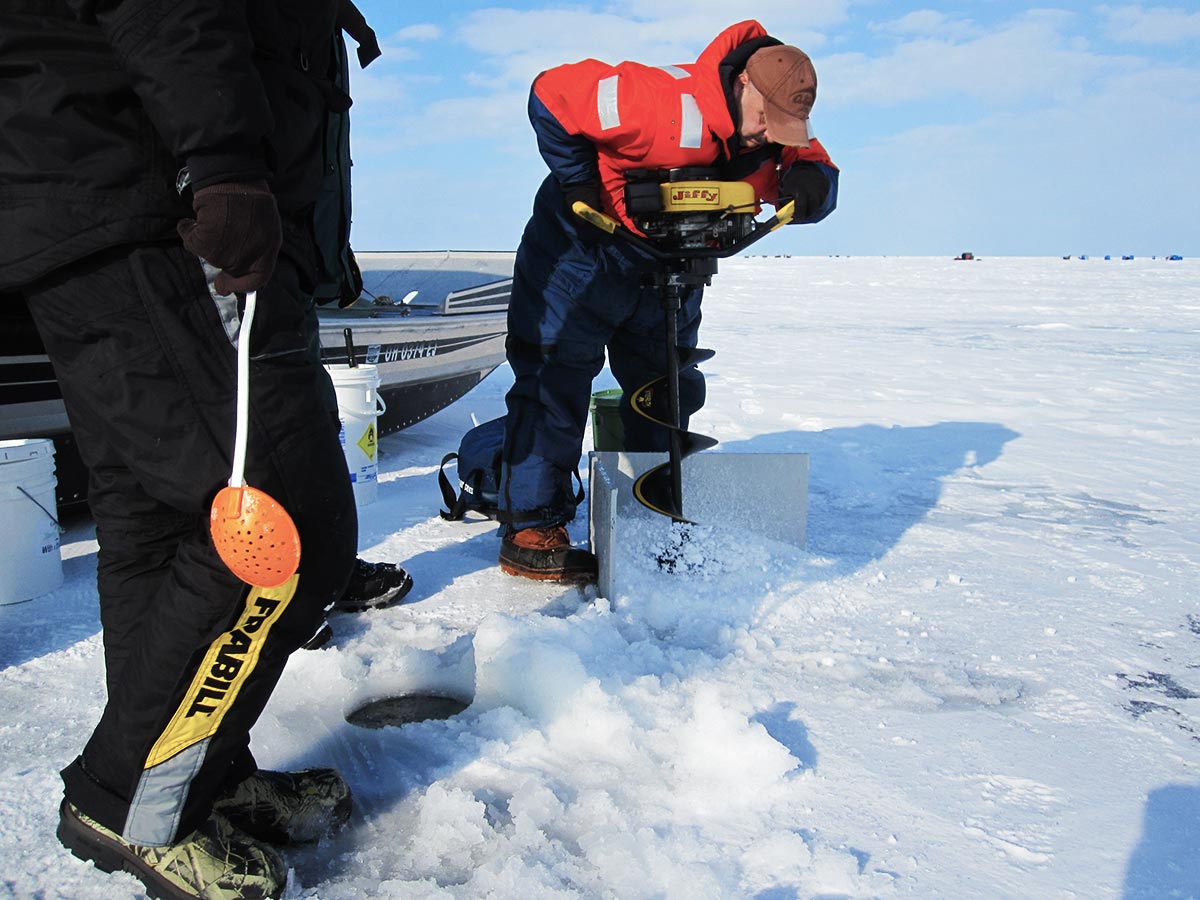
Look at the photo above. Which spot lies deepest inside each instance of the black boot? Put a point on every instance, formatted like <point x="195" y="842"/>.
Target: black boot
<point x="373" y="586"/>
<point x="546" y="554"/>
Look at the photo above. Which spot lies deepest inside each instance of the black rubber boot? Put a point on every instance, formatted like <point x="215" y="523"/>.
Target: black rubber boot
<point x="546" y="554"/>
<point x="374" y="586"/>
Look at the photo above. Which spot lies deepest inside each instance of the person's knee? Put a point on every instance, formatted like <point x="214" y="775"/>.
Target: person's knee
<point x="692" y="393"/>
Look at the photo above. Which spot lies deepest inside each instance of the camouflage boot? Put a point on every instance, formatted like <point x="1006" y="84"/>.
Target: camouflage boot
<point x="214" y="862"/>
<point x="288" y="807"/>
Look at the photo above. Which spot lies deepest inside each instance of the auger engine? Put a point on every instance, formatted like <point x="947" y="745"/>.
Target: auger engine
<point x="689" y="208"/>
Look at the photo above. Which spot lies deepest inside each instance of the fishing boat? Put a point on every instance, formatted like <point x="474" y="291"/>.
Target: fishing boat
<point x="434" y="322"/>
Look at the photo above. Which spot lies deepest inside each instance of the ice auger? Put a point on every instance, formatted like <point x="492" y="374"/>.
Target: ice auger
<point x="688" y="219"/>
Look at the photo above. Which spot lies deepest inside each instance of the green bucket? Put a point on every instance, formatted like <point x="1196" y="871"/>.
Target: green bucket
<point x="607" y="433"/>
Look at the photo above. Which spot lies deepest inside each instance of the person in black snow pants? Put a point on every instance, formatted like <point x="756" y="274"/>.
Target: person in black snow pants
<point x="159" y="158"/>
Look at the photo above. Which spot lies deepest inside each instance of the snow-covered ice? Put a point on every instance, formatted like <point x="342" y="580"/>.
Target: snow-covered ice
<point x="980" y="679"/>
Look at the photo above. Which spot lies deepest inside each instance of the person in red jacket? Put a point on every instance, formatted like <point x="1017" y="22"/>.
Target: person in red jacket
<point x="742" y="108"/>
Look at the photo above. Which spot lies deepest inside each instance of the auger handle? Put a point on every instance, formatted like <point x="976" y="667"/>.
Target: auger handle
<point x="607" y="223"/>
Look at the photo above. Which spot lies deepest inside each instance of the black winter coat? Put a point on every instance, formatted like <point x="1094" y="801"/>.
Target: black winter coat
<point x="103" y="102"/>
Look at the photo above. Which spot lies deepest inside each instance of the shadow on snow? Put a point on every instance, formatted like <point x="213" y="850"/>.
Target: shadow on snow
<point x="1166" y="862"/>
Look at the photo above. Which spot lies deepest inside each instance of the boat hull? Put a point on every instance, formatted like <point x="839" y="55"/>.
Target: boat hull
<point x="425" y="362"/>
<point x="444" y="336"/>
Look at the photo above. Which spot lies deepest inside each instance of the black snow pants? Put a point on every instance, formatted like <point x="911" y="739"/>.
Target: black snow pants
<point x="147" y="367"/>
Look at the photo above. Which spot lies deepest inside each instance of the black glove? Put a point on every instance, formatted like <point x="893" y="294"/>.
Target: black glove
<point x="588" y="192"/>
<point x="236" y="229"/>
<point x="807" y="185"/>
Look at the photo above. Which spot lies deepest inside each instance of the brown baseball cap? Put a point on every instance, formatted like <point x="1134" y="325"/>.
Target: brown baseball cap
<point x="788" y="82"/>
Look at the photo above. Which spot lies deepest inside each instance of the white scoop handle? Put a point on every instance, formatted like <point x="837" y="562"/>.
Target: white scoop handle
<point x="237" y="477"/>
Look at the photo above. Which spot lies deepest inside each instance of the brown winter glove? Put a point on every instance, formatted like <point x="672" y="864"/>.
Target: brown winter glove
<point x="236" y="229"/>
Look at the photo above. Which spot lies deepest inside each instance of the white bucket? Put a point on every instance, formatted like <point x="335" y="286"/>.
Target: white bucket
<point x="30" y="560"/>
<point x="359" y="407"/>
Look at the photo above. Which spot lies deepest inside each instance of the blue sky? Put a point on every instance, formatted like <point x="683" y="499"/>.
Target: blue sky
<point x="999" y="127"/>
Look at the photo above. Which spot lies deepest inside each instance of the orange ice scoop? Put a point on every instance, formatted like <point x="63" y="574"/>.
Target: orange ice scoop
<point x="252" y="532"/>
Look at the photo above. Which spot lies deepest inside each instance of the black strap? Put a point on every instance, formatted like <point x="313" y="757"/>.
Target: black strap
<point x="455" y="503"/>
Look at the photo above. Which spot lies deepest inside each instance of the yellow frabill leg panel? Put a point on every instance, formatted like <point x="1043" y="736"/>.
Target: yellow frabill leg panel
<point x="229" y="662"/>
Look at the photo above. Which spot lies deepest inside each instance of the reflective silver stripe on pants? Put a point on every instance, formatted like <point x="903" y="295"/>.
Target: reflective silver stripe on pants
<point x="691" y="126"/>
<point x="606" y="103"/>
<point x="157" y="805"/>
<point x="226" y="304"/>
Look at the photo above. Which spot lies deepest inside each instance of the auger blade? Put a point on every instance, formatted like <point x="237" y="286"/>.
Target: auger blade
<point x="653" y="490"/>
<point x="694" y="443"/>
<point x="653" y="401"/>
<point x="661" y="488"/>
<point x="693" y="356"/>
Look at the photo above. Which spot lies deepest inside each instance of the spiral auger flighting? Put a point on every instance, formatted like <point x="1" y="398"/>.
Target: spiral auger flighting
<point x="661" y="488"/>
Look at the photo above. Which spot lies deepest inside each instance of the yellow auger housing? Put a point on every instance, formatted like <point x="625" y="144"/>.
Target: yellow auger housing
<point x="707" y="196"/>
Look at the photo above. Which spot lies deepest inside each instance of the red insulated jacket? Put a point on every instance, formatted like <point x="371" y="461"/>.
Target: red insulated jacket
<point x="611" y="118"/>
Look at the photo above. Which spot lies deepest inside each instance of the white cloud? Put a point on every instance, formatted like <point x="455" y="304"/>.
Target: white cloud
<point x="423" y="31"/>
<point x="518" y="45"/>
<point x="1153" y="25"/>
<point x="514" y="46"/>
<point x="380" y="84"/>
<point x="1029" y="59"/>
<point x="927" y="23"/>
<point x="507" y="50"/>
<point x="397" y="46"/>
<point x="393" y="53"/>
<point x="700" y="20"/>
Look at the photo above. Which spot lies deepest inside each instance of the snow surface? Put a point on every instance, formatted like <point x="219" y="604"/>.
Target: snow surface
<point x="980" y="679"/>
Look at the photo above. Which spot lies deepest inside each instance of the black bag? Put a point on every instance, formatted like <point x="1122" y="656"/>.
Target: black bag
<point x="479" y="473"/>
